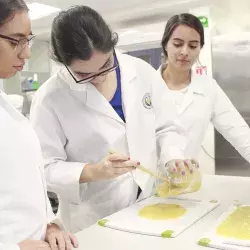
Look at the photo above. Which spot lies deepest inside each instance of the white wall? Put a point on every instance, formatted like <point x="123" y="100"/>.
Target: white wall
<point x="1" y="84"/>
<point x="12" y="85"/>
<point x="54" y="67"/>
<point x="39" y="61"/>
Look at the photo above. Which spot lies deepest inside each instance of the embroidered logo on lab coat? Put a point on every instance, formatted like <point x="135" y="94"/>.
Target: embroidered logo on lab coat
<point x="147" y="103"/>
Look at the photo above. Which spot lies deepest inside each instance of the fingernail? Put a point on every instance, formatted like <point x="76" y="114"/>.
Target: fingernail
<point x="128" y="158"/>
<point x="183" y="173"/>
<point x="174" y="170"/>
<point x="138" y="163"/>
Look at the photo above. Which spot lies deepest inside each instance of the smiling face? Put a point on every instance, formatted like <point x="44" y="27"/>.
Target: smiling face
<point x="12" y="57"/>
<point x="183" y="47"/>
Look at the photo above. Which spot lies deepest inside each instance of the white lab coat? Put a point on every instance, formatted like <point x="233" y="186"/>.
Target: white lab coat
<point x="24" y="206"/>
<point x="206" y="102"/>
<point x="76" y="125"/>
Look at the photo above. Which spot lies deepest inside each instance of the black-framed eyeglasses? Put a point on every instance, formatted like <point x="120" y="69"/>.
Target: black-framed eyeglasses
<point x="104" y="72"/>
<point x="20" y="44"/>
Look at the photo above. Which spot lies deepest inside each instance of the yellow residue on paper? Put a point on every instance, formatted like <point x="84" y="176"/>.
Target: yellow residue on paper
<point x="237" y="224"/>
<point x="161" y="211"/>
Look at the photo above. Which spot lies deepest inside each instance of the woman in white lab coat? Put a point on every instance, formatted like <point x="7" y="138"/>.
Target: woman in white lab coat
<point x="97" y="118"/>
<point x="199" y="99"/>
<point x="26" y="218"/>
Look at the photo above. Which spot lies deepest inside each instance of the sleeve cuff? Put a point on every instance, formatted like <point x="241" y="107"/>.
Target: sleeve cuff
<point x="172" y="154"/>
<point x="58" y="222"/>
<point x="63" y="179"/>
<point x="9" y="247"/>
<point x="51" y="218"/>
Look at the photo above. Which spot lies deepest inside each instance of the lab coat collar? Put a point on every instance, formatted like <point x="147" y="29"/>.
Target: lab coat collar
<point x="88" y="94"/>
<point x="64" y="76"/>
<point x="97" y="101"/>
<point x="128" y="73"/>
<point x="127" y="68"/>
<point x="195" y="86"/>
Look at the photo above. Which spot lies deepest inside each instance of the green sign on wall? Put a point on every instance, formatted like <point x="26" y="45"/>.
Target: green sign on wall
<point x="204" y="20"/>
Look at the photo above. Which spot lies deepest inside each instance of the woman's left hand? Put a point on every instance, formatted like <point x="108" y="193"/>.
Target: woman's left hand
<point x="179" y="167"/>
<point x="59" y="239"/>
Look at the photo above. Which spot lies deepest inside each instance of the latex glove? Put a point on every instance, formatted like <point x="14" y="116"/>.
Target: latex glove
<point x="112" y="166"/>
<point x="183" y="177"/>
<point x="59" y="239"/>
<point x="180" y="171"/>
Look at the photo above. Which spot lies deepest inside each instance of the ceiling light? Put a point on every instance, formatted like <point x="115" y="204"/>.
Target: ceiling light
<point x="38" y="10"/>
<point x="128" y="32"/>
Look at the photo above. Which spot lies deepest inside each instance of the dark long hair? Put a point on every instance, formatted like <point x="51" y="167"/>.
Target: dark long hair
<point x="77" y="32"/>
<point x="8" y="9"/>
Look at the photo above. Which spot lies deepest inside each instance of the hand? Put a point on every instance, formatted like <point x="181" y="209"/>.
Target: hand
<point x="60" y="240"/>
<point x="33" y="245"/>
<point x="192" y="165"/>
<point x="180" y="172"/>
<point x="112" y="166"/>
<point x="182" y="167"/>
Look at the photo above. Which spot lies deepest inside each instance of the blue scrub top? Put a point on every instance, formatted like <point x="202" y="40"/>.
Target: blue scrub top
<point x="116" y="101"/>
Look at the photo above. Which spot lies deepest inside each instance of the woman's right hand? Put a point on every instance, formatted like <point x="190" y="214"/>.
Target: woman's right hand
<point x="112" y="166"/>
<point x="34" y="244"/>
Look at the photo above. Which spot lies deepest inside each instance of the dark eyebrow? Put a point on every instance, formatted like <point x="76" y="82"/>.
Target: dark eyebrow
<point x="194" y="41"/>
<point x="180" y="40"/>
<point x="103" y="66"/>
<point x="21" y="35"/>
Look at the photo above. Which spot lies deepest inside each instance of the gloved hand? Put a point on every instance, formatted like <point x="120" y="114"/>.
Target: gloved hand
<point x="182" y="166"/>
<point x="183" y="177"/>
<point x="180" y="171"/>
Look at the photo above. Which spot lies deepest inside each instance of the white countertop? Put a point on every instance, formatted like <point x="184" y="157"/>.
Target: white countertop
<point x="226" y="189"/>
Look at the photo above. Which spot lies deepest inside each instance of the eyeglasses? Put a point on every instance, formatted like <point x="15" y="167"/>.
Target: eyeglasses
<point x="20" y="44"/>
<point x="104" y="72"/>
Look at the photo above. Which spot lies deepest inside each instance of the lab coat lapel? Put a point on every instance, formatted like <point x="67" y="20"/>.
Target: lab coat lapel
<point x="136" y="139"/>
<point x="91" y="97"/>
<point x="99" y="103"/>
<point x="187" y="101"/>
<point x="128" y="74"/>
<point x="195" y="88"/>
